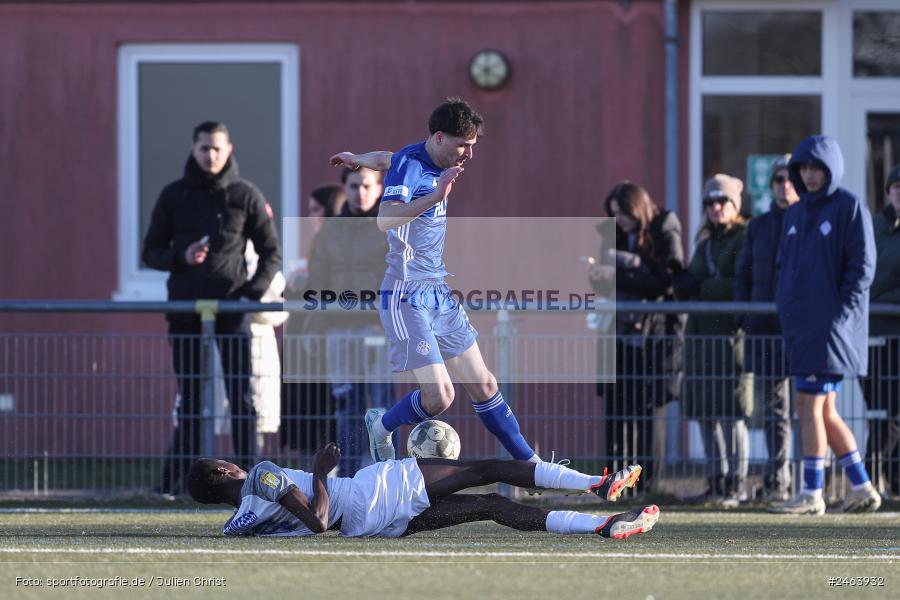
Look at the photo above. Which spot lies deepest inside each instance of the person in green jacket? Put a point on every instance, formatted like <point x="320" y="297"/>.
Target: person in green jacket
<point x="716" y="393"/>
<point x="882" y="387"/>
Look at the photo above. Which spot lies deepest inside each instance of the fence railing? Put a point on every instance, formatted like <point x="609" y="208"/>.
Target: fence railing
<point x="100" y="413"/>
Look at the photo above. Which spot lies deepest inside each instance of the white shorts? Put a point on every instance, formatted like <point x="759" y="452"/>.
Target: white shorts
<point x="384" y="498"/>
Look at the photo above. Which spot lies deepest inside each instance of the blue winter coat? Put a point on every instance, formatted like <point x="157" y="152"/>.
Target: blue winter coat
<point x="755" y="282"/>
<point x="826" y="265"/>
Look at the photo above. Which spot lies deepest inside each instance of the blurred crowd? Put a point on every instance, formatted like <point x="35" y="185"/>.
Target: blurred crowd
<point x="722" y="367"/>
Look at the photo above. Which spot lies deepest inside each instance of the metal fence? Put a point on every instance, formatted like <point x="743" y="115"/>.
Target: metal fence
<point x="97" y="413"/>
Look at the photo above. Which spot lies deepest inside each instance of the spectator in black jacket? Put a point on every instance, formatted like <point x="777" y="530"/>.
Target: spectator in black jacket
<point x="198" y="232"/>
<point x="881" y="388"/>
<point x="763" y="356"/>
<point x="640" y="263"/>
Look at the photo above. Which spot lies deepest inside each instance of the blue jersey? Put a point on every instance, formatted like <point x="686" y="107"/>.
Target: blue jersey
<point x="415" y="250"/>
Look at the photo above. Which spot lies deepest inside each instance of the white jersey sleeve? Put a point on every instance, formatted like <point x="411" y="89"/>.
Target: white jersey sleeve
<point x="259" y="512"/>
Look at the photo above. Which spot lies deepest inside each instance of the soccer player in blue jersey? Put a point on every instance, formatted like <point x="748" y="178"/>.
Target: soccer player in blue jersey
<point x="428" y="330"/>
<point x="394" y="498"/>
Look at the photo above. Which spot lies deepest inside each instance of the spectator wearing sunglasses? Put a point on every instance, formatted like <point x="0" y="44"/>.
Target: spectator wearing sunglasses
<point x="763" y="355"/>
<point x="716" y="394"/>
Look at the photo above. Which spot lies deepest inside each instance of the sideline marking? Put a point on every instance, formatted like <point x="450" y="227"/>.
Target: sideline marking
<point x="431" y="554"/>
<point x="51" y="511"/>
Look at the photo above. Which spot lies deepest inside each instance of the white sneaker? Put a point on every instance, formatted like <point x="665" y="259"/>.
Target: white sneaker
<point x="381" y="448"/>
<point x="801" y="504"/>
<point x="865" y="499"/>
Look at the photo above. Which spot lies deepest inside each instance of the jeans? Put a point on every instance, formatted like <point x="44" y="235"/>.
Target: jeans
<point x="360" y="377"/>
<point x="778" y="434"/>
<point x="349" y="408"/>
<point x="727" y="446"/>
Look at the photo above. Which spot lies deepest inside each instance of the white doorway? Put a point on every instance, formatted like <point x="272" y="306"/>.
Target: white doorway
<point x="166" y="89"/>
<point x="875" y="145"/>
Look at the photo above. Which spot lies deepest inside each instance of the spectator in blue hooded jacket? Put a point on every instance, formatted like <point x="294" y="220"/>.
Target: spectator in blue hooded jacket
<point x="826" y="266"/>
<point x="755" y="282"/>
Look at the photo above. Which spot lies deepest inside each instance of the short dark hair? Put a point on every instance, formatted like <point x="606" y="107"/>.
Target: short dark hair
<point x="329" y="196"/>
<point x="204" y="483"/>
<point x="455" y="117"/>
<point x="211" y="127"/>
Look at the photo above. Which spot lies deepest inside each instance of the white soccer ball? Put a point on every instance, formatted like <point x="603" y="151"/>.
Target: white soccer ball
<point x="433" y="439"/>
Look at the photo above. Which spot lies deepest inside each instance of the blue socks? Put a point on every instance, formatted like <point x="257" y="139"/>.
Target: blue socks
<point x="406" y="412"/>
<point x="813" y="474"/>
<point x="499" y="419"/>
<point x="494" y="413"/>
<point x="855" y="468"/>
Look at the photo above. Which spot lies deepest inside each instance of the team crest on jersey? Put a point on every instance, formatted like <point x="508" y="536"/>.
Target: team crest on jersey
<point x="440" y="209"/>
<point x="245" y="520"/>
<point x="825" y="228"/>
<point x="270" y="480"/>
<point x="423" y="348"/>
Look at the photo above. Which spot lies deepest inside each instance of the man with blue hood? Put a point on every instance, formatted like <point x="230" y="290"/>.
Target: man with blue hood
<point x="825" y="269"/>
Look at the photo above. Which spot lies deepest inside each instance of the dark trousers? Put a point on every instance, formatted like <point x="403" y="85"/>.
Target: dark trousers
<point x="882" y="393"/>
<point x="726" y="442"/>
<point x="777" y="424"/>
<point x="233" y="341"/>
<point x="349" y="409"/>
<point x="630" y="411"/>
<point x="307" y="420"/>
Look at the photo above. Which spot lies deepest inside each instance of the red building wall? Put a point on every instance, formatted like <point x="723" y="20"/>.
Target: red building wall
<point x="584" y="108"/>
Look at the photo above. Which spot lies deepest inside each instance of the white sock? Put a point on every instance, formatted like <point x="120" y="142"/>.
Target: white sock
<point x="558" y="477"/>
<point x="816" y="494"/>
<point x="569" y="521"/>
<point x="535" y="458"/>
<point x="380" y="431"/>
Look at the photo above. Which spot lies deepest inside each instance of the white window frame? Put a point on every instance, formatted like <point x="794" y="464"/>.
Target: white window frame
<point x="135" y="282"/>
<point x="862" y="95"/>
<point x="826" y="85"/>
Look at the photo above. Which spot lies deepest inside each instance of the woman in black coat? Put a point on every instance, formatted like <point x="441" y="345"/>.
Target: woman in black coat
<point x="646" y="252"/>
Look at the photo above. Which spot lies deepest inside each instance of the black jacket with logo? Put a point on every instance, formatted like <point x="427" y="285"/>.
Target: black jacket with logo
<point x="228" y="209"/>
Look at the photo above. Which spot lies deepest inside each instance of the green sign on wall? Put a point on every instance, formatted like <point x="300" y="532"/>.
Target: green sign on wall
<point x="758" y="167"/>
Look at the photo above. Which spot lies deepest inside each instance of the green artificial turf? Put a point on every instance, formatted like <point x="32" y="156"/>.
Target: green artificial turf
<point x="690" y="554"/>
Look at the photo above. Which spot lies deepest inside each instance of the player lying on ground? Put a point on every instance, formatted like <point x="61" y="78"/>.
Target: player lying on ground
<point x="400" y="497"/>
